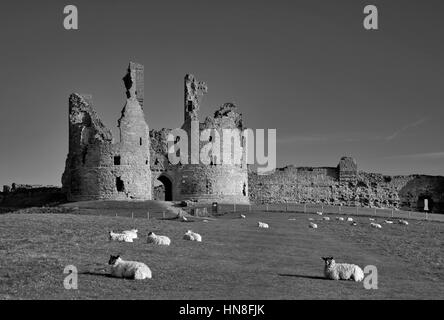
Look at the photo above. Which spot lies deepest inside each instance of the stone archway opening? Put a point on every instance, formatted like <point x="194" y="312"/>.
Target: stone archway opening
<point x="164" y="190"/>
<point x="425" y="201"/>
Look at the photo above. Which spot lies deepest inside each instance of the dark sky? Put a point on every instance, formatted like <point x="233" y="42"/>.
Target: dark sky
<point x="307" y="68"/>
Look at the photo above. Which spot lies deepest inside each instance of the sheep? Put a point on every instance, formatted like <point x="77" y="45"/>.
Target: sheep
<point x="313" y="225"/>
<point x="123" y="237"/>
<point x="349" y="219"/>
<point x="371" y="219"/>
<point x="354" y="223"/>
<point x="319" y="213"/>
<point x="159" y="240"/>
<point x="132" y="233"/>
<point x="388" y="221"/>
<point x="309" y="219"/>
<point x="376" y="225"/>
<point x="128" y="269"/>
<point x="403" y="222"/>
<point x="193" y="236"/>
<point x="326" y="218"/>
<point x="263" y="225"/>
<point x="342" y="271"/>
<point x="341" y="219"/>
<point x="242" y="216"/>
<point x="184" y="219"/>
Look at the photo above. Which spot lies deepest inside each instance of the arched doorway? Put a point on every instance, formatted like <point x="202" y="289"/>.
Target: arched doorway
<point x="167" y="188"/>
<point x="422" y="201"/>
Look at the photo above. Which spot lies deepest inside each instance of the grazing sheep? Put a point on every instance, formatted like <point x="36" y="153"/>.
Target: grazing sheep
<point x="159" y="240"/>
<point x="342" y="271"/>
<point x="371" y="219"/>
<point x="132" y="233"/>
<point x="388" y="221"/>
<point x="123" y="237"/>
<point x="242" y="216"/>
<point x="313" y="225"/>
<point x="341" y="219"/>
<point x="319" y="213"/>
<point x="326" y="218"/>
<point x="376" y="225"/>
<point x="309" y="219"/>
<point x="354" y="223"/>
<point x="349" y="219"/>
<point x="205" y="220"/>
<point x="263" y="225"/>
<point x="193" y="236"/>
<point x="184" y="219"/>
<point x="403" y="222"/>
<point x="128" y="269"/>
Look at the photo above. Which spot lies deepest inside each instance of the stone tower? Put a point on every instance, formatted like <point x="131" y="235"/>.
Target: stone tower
<point x="97" y="167"/>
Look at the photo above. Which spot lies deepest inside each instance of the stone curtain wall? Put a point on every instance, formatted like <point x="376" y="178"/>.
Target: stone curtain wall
<point x="322" y="185"/>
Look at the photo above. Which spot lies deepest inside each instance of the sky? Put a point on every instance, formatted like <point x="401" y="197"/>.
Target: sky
<point x="306" y="68"/>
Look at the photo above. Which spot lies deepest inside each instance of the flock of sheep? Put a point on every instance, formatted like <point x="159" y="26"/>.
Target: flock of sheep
<point x="138" y="270"/>
<point x="346" y="271"/>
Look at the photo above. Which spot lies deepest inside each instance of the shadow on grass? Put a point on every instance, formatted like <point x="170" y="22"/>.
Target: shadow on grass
<point x="302" y="276"/>
<point x="94" y="273"/>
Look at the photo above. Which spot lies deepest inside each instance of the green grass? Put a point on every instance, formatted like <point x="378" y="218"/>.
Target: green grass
<point x="236" y="260"/>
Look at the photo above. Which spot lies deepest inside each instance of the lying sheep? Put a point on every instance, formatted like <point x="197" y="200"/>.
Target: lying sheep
<point x="319" y="213"/>
<point x="128" y="269"/>
<point x="184" y="219"/>
<point x="263" y="225"/>
<point x="159" y="240"/>
<point x="310" y="219"/>
<point x="326" y="218"/>
<point x="388" y="221"/>
<point x="313" y="225"/>
<point x="193" y="236"/>
<point x="349" y="219"/>
<point x="342" y="271"/>
<point x="242" y="216"/>
<point x="132" y="233"/>
<point x="403" y="222"/>
<point x="340" y="218"/>
<point x="376" y="225"/>
<point x="371" y="219"/>
<point x="123" y="237"/>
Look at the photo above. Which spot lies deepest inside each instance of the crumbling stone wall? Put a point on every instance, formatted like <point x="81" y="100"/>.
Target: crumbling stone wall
<point x="96" y="166"/>
<point x="324" y="185"/>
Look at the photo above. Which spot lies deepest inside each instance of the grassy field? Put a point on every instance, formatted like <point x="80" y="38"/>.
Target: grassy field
<point x="236" y="260"/>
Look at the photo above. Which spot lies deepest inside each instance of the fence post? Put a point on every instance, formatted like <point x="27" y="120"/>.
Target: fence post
<point x="116" y="214"/>
<point x="392" y="213"/>
<point x="357" y="210"/>
<point x="132" y="215"/>
<point x="339" y="211"/>
<point x="163" y="214"/>
<point x="234" y="207"/>
<point x="305" y="208"/>
<point x="249" y="208"/>
<point x="409" y="214"/>
<point x="322" y="208"/>
<point x="148" y="215"/>
<point x="266" y="207"/>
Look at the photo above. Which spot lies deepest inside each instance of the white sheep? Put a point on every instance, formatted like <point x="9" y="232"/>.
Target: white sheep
<point x="313" y="225"/>
<point x="132" y="233"/>
<point x="349" y="219"/>
<point x="263" y="225"/>
<point x="159" y="240"/>
<point x="319" y="213"/>
<point x="242" y="216"/>
<point x="388" y="221"/>
<point x="184" y="219"/>
<point x="123" y="237"/>
<point x="129" y="269"/>
<point x="376" y="225"/>
<point x="342" y="271"/>
<point x="371" y="219"/>
<point x="341" y="219"/>
<point x="193" y="236"/>
<point x="326" y="218"/>
<point x="403" y="222"/>
<point x="309" y="219"/>
<point x="354" y="223"/>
